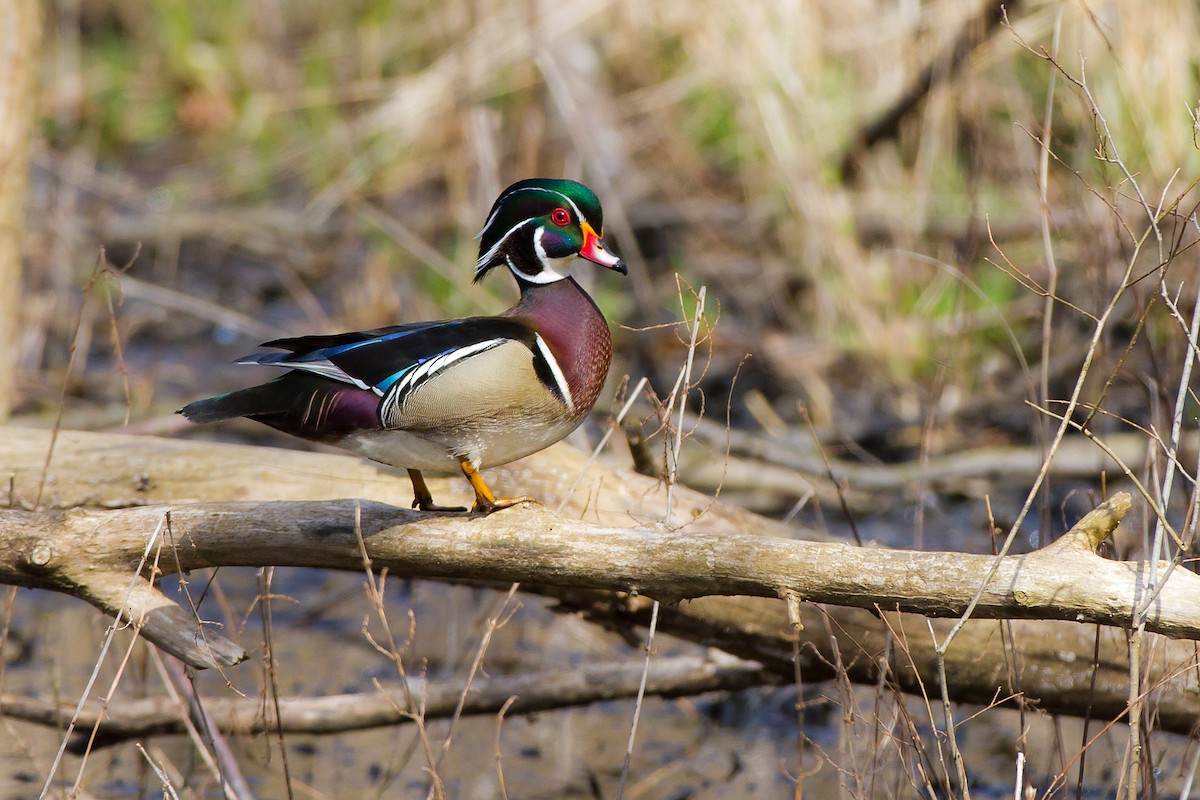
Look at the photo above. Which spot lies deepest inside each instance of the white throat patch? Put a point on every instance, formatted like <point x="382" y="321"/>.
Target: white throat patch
<point x="550" y="266"/>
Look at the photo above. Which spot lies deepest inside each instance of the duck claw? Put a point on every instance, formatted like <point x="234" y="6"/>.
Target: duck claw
<point x="487" y="507"/>
<point x="431" y="506"/>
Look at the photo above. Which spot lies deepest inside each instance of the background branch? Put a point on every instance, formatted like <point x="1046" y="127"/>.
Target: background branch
<point x="944" y="67"/>
<point x="535" y="691"/>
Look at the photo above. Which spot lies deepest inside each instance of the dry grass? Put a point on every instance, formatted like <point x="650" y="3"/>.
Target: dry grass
<point x="712" y="132"/>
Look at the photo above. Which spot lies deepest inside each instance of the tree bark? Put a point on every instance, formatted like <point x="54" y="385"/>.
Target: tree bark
<point x="1052" y="666"/>
<point x="19" y="58"/>
<point x="729" y="551"/>
<point x="100" y="470"/>
<point x="761" y="463"/>
<point x="94" y="553"/>
<point x="536" y="691"/>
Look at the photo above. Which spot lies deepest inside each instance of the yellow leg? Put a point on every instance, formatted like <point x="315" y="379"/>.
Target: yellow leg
<point x="422" y="498"/>
<point x="485" y="501"/>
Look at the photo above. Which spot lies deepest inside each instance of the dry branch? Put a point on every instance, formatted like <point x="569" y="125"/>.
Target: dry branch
<point x="92" y="470"/>
<point x="93" y="553"/>
<point x="1054" y="658"/>
<point x="98" y="470"/>
<point x="536" y="691"/>
<point x="761" y="463"/>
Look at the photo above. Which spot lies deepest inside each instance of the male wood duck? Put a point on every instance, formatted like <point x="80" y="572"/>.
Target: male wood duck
<point x="462" y="394"/>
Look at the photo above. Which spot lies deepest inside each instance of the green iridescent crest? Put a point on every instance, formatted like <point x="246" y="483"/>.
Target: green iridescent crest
<point x="537" y="213"/>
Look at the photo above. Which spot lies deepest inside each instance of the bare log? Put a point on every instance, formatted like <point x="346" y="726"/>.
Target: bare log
<point x="104" y="470"/>
<point x="1053" y="658"/>
<point x="1047" y="665"/>
<point x="784" y="469"/>
<point x="92" y="553"/>
<point x="338" y="713"/>
<point x="95" y="470"/>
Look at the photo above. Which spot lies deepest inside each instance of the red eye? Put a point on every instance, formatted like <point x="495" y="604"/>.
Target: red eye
<point x="560" y="216"/>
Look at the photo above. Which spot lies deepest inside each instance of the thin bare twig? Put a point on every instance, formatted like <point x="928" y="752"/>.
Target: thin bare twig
<point x="165" y="781"/>
<point x="637" y="706"/>
<point x="412" y="708"/>
<point x="499" y="760"/>
<point x="265" y="578"/>
<point x="495" y="621"/>
<point x="151" y="545"/>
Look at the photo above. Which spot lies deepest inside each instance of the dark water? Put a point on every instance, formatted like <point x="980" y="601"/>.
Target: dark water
<point x="741" y="745"/>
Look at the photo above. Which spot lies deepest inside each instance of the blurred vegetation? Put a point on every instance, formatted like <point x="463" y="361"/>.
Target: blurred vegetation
<point x="712" y="132"/>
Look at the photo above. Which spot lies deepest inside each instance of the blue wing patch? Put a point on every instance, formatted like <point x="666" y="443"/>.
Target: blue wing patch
<point x="393" y="360"/>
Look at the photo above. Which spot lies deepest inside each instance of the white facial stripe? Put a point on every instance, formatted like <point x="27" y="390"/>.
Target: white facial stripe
<point x="539" y="249"/>
<point x="559" y="378"/>
<point x="547" y="275"/>
<point x="578" y="214"/>
<point x="500" y="202"/>
<point x="487" y="257"/>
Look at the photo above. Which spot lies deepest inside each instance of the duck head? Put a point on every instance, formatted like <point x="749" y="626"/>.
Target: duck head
<point x="538" y="225"/>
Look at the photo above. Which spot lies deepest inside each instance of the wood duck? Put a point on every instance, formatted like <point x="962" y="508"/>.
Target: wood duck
<point x="462" y="394"/>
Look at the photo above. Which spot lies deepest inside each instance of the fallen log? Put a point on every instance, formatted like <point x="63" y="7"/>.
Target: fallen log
<point x="338" y="713"/>
<point x="722" y="550"/>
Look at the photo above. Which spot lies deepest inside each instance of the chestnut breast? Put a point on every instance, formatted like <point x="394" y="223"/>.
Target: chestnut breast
<point x="576" y="333"/>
